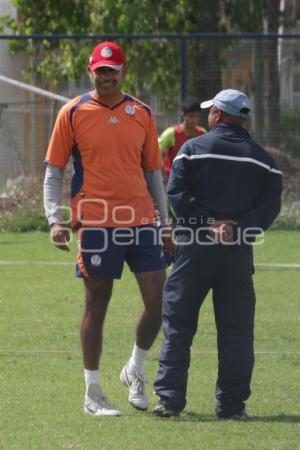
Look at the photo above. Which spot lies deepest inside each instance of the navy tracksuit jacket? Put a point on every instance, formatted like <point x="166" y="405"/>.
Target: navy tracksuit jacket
<point x="223" y="174"/>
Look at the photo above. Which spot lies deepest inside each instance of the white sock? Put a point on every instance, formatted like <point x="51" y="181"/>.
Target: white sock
<point x="138" y="358"/>
<point x="91" y="377"/>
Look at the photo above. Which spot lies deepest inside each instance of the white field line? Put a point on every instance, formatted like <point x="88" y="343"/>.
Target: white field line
<point x="277" y="266"/>
<point x="65" y="263"/>
<point x="38" y="351"/>
<point x="32" y="351"/>
<point x="35" y="263"/>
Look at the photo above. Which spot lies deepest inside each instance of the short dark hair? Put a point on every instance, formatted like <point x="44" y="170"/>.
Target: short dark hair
<point x="190" y="106"/>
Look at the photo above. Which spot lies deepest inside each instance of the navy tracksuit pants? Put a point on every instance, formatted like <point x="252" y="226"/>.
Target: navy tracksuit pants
<point x="227" y="270"/>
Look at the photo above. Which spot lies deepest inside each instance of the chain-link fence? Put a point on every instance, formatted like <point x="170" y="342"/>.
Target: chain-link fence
<point x="163" y="71"/>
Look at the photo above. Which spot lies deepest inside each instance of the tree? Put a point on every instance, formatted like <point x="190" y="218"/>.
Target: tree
<point x="250" y="19"/>
<point x="263" y="16"/>
<point x="52" y="60"/>
<point x="155" y="65"/>
<point x="273" y="90"/>
<point x="161" y="16"/>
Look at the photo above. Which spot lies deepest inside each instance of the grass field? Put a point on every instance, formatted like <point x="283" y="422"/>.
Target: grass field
<point x="41" y="378"/>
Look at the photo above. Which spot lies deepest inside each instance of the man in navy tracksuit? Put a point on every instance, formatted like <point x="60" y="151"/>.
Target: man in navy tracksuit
<point x="224" y="189"/>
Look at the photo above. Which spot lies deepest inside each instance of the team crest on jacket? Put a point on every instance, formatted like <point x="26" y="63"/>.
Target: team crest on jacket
<point x="106" y="52"/>
<point x="96" y="260"/>
<point x="130" y="110"/>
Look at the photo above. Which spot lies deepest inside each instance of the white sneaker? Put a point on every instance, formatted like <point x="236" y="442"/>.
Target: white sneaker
<point x="96" y="404"/>
<point x="136" y="383"/>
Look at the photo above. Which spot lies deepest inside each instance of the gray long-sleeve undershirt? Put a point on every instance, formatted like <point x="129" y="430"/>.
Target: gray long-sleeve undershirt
<point x="156" y="188"/>
<point x="53" y="186"/>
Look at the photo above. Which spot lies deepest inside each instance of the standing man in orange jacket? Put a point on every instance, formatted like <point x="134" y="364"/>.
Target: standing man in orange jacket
<point x="112" y="140"/>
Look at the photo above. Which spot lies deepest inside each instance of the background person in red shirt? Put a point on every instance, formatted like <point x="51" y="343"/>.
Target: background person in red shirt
<point x="172" y="138"/>
<point x="112" y="139"/>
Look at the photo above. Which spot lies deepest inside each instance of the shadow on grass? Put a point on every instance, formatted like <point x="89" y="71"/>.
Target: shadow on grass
<point x="196" y="417"/>
<point x="288" y="418"/>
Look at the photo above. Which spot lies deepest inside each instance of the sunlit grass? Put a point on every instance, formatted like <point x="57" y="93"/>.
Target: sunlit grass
<point x="41" y="379"/>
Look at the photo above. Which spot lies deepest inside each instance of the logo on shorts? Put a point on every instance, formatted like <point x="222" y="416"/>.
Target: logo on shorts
<point x="96" y="260"/>
<point x="130" y="110"/>
<point x="106" y="52"/>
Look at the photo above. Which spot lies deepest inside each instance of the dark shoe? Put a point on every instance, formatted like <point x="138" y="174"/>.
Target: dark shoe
<point x="242" y="416"/>
<point x="163" y="410"/>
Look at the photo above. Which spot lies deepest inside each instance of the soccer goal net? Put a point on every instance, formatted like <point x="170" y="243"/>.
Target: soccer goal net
<point x="27" y="115"/>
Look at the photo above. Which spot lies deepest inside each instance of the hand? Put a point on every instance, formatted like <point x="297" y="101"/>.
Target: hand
<point x="166" y="237"/>
<point x="222" y="230"/>
<point x="60" y="237"/>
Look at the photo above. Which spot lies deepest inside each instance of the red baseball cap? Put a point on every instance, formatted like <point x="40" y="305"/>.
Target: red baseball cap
<point x="107" y="54"/>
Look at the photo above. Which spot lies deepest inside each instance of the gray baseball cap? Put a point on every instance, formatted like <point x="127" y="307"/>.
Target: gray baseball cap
<point x="230" y="101"/>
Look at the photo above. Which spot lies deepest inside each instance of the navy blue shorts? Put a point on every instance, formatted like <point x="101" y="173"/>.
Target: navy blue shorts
<point x="103" y="251"/>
